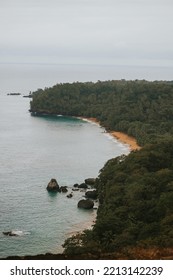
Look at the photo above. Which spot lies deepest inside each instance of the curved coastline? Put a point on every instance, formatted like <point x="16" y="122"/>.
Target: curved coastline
<point x="120" y="136"/>
<point x="125" y="139"/>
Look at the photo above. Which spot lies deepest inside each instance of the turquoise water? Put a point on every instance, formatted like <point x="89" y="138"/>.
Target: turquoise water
<point x="34" y="150"/>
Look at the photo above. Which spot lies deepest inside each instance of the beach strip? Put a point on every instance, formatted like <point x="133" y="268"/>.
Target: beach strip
<point x="124" y="138"/>
<point x="120" y="136"/>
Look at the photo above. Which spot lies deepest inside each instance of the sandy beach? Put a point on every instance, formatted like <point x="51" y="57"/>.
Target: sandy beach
<point x="120" y="136"/>
<point x="124" y="138"/>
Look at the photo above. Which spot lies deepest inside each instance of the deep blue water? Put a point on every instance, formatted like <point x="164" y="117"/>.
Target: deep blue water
<point x="32" y="151"/>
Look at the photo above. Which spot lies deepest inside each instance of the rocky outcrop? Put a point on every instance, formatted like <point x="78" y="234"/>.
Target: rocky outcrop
<point x="83" y="186"/>
<point x="53" y="186"/>
<point x="91" y="194"/>
<point x="90" y="181"/>
<point x="86" y="204"/>
<point x="70" y="195"/>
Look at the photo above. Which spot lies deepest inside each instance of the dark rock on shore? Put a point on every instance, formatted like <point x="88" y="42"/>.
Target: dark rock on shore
<point x="86" y="204"/>
<point x="70" y="195"/>
<point x="90" y="181"/>
<point x="53" y="186"/>
<point x="76" y="185"/>
<point x="91" y="194"/>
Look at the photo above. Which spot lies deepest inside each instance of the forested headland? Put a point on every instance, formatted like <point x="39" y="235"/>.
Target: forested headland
<point x="141" y="109"/>
<point x="135" y="191"/>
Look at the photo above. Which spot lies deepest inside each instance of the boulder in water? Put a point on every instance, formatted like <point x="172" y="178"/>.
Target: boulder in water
<point x="64" y="189"/>
<point x="83" y="186"/>
<point x="53" y="186"/>
<point x="86" y="204"/>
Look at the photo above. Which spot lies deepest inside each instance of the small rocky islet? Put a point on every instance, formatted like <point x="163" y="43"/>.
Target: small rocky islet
<point x="90" y="195"/>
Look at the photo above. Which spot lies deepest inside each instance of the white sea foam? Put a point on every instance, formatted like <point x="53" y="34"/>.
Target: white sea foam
<point x="89" y="121"/>
<point x="122" y="146"/>
<point x="17" y="232"/>
<point x="20" y="232"/>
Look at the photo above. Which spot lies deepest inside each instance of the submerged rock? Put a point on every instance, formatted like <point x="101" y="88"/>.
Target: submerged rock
<point x="86" y="204"/>
<point x="53" y="186"/>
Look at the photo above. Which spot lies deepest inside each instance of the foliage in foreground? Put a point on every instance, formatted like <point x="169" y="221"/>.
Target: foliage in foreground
<point x="136" y="203"/>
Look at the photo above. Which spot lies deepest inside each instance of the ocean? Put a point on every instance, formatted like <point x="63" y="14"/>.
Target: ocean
<point x="34" y="150"/>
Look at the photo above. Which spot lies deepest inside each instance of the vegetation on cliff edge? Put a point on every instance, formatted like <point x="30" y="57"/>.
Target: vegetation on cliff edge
<point x="136" y="203"/>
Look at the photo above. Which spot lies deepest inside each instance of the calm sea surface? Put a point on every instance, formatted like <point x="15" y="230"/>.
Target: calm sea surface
<point x="32" y="151"/>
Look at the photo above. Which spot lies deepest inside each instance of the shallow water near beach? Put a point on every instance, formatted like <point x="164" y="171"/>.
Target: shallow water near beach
<point x="34" y="150"/>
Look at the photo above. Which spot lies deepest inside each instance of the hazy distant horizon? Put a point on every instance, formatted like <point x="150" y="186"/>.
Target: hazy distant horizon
<point x="45" y="42"/>
<point x="99" y="32"/>
<point x="26" y="77"/>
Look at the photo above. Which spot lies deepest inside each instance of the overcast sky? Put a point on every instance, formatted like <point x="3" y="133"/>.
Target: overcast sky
<point x="111" y="32"/>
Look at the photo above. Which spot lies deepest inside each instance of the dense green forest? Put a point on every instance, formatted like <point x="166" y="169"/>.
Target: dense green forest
<point x="141" y="109"/>
<point x="135" y="191"/>
<point x="136" y="202"/>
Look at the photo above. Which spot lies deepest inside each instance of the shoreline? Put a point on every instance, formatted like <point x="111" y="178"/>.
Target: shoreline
<point x="120" y="136"/>
<point x="126" y="139"/>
